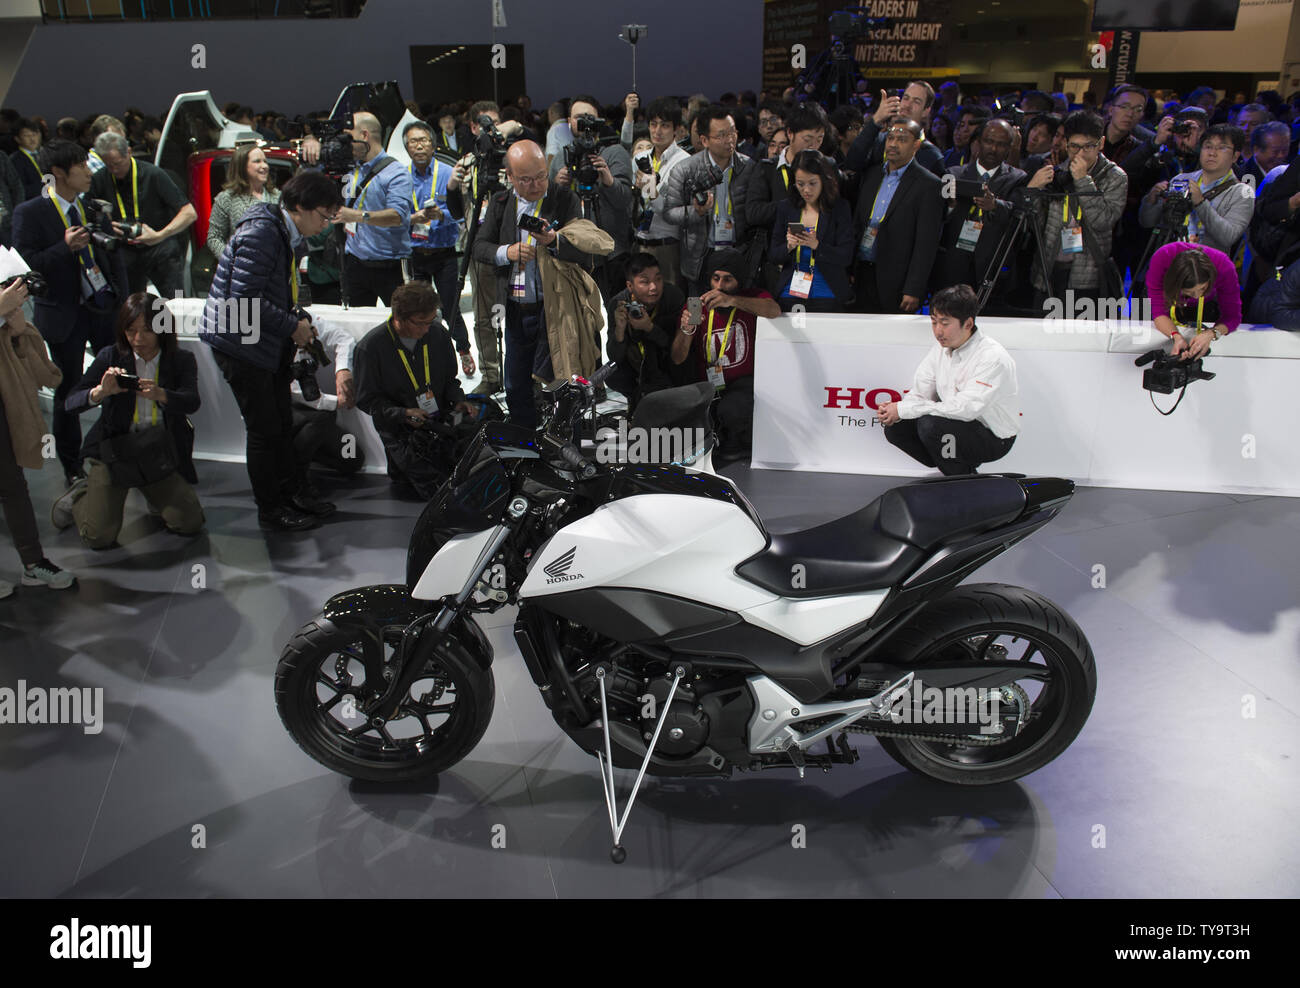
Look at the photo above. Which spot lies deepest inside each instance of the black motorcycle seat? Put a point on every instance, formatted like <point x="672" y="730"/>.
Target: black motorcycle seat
<point x="877" y="546"/>
<point x="684" y="407"/>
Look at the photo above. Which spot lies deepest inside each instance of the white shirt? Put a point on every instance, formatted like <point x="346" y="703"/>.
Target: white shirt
<point x="146" y="370"/>
<point x="339" y="344"/>
<point x="987" y="172"/>
<point x="974" y="383"/>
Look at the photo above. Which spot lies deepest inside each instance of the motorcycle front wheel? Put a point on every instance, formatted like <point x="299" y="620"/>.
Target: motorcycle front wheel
<point x="1053" y="694"/>
<point x="321" y="690"/>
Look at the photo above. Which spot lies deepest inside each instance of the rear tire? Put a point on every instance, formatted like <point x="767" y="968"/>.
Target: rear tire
<point x="957" y="627"/>
<point x="322" y="659"/>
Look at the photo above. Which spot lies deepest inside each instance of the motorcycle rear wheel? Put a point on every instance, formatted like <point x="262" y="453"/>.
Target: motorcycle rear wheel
<point x="1060" y="679"/>
<point x="320" y="697"/>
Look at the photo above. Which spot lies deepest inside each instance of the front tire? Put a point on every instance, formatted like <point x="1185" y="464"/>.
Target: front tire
<point x="320" y="686"/>
<point x="1059" y="683"/>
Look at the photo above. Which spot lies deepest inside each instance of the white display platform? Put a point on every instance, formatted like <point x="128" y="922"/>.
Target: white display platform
<point x="1084" y="414"/>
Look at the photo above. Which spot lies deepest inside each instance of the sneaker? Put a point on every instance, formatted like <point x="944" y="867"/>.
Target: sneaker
<point x="46" y="574"/>
<point x="61" y="513"/>
<point x="6" y="589"/>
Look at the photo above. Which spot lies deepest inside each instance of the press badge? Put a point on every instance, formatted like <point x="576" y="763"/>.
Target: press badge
<point x="869" y="239"/>
<point x="420" y="231"/>
<point x="428" y="403"/>
<point x="302" y="265"/>
<point x="970" y="234"/>
<point x="96" y="278"/>
<point x="350" y="229"/>
<point x="1072" y="239"/>
<point x="801" y="284"/>
<point x="716" y="377"/>
<point x="518" y="284"/>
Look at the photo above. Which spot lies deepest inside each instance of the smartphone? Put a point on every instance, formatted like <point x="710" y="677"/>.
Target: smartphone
<point x="969" y="188"/>
<point x="695" y="310"/>
<point x="794" y="228"/>
<point x="128" y="382"/>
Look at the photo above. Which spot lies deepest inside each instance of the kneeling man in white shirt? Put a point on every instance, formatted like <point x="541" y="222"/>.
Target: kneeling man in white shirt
<point x="964" y="407"/>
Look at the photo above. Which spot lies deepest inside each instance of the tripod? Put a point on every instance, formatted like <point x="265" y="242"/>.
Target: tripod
<point x="1166" y="233"/>
<point x="1038" y="224"/>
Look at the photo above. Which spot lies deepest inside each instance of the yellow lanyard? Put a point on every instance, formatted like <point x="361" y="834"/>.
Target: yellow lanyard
<point x="433" y="189"/>
<point x="32" y="158"/>
<point x="655" y="163"/>
<point x="812" y="256"/>
<point x="1200" y="313"/>
<point x="785" y="175"/>
<point x="536" y="212"/>
<point x="153" y="415"/>
<point x="726" y="337"/>
<point x="717" y="206"/>
<point x="1065" y="212"/>
<point x="68" y="226"/>
<point x="401" y="352"/>
<point x="135" y="196"/>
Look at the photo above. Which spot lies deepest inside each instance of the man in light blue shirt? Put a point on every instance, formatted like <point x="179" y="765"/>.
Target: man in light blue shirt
<point x="376" y="217"/>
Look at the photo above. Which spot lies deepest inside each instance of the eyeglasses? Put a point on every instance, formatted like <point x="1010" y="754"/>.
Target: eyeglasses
<point x="418" y="140"/>
<point x="530" y="179"/>
<point x="1130" y="107"/>
<point x="1071" y="146"/>
<point x="1216" y="148"/>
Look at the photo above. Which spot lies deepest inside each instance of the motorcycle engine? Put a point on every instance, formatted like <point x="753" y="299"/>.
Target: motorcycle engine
<point x="685" y="724"/>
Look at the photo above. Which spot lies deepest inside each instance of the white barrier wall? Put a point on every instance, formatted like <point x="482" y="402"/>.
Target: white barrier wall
<point x="1084" y="414"/>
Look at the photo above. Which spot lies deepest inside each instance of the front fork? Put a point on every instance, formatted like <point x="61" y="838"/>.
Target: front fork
<point x="386" y="707"/>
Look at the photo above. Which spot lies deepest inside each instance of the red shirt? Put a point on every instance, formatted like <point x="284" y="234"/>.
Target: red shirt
<point x="737" y="356"/>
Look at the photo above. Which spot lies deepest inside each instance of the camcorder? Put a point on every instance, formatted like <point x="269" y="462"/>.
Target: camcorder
<point x="1176" y="204"/>
<point x="99" y="221"/>
<point x="308" y="360"/>
<point x="584" y="179"/>
<point x="36" y="284"/>
<point x="1012" y="113"/>
<point x="1167" y="373"/>
<point x="336" y="158"/>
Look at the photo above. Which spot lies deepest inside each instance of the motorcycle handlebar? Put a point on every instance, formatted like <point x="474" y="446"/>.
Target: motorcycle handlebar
<point x="602" y="373"/>
<point x="571" y="455"/>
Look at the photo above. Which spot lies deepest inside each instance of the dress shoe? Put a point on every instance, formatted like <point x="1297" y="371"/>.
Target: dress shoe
<point x="312" y="506"/>
<point x="286" y="520"/>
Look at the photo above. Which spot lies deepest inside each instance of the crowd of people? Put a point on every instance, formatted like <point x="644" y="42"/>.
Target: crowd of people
<point x="655" y="234"/>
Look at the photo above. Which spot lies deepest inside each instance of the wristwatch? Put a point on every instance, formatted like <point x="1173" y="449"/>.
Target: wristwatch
<point x="365" y="217"/>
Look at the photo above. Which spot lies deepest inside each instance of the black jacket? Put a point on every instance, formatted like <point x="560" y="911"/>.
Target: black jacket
<point x="764" y="188"/>
<point x="178" y="375"/>
<point x="648" y="356"/>
<point x="868" y="150"/>
<point x="499" y="228"/>
<point x="384" y="389"/>
<point x="908" y="238"/>
<point x="835" y="244"/>
<point x="995" y="223"/>
<point x="38" y="237"/>
<point x="28" y="174"/>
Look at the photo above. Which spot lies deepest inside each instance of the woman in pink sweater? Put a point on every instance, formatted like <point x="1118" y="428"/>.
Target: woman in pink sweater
<point x="1193" y="287"/>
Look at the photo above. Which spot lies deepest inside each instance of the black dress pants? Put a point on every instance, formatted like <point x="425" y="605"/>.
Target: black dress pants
<point x="364" y="281"/>
<point x="953" y="446"/>
<point x="263" y="399"/>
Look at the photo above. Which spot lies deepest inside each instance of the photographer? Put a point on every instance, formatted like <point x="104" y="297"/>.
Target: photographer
<point x="85" y="280"/>
<point x="474" y="180"/>
<point x="1193" y="287"/>
<point x="1076" y="229"/>
<point x="145" y="198"/>
<point x="654" y="233"/>
<point x="254" y="347"/>
<point x="375" y="217"/>
<point x="145" y="385"/>
<point x="406" y="382"/>
<point x="963" y="408"/>
<point x="598" y="169"/>
<point x="816" y="259"/>
<point x="912" y="102"/>
<point x="706" y="196"/>
<point x="1174" y="149"/>
<point x="24" y="368"/>
<point x="434" y="232"/>
<point x="1208" y="206"/>
<point x="646" y="315"/>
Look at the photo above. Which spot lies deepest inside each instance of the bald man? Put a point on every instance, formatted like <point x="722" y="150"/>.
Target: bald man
<point x="512" y="253"/>
<point x="376" y="215"/>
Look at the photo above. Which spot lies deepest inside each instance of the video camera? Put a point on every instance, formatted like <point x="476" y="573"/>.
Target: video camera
<point x="587" y="141"/>
<point x="1177" y="204"/>
<point x="36" y="284"/>
<point x="307" y="361"/>
<point x="336" y="158"/>
<point x="1169" y="374"/>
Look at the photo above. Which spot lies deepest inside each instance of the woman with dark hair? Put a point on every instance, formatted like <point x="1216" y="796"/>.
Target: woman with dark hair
<point x="146" y="385"/>
<point x="940" y="132"/>
<point x="249" y="182"/>
<point x="814" y="272"/>
<point x="1193" y="287"/>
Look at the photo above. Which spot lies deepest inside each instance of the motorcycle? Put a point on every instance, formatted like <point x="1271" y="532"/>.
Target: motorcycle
<point x="669" y="632"/>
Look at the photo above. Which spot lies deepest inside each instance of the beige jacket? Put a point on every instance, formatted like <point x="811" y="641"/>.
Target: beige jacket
<point x="574" y="309"/>
<point x="25" y="366"/>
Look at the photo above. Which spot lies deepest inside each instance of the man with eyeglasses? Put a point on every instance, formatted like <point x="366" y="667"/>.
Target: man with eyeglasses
<point x="434" y="232"/>
<point x="512" y="252"/>
<point x="406" y="382"/>
<point x="1076" y="228"/>
<point x="913" y="102"/>
<point x="1125" y="106"/>
<point x="1221" y="206"/>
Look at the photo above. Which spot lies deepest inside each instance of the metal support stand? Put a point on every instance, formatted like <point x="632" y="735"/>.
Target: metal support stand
<point x="618" y="854"/>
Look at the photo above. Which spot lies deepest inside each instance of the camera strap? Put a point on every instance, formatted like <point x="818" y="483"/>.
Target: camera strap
<point x="378" y="165"/>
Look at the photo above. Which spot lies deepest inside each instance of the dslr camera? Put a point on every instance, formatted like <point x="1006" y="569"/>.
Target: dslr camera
<point x="36" y="284"/>
<point x="535" y="224"/>
<point x="587" y="140"/>
<point x="99" y="221"/>
<point x="307" y="361"/>
<point x="699" y="188"/>
<point x="1167" y="373"/>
